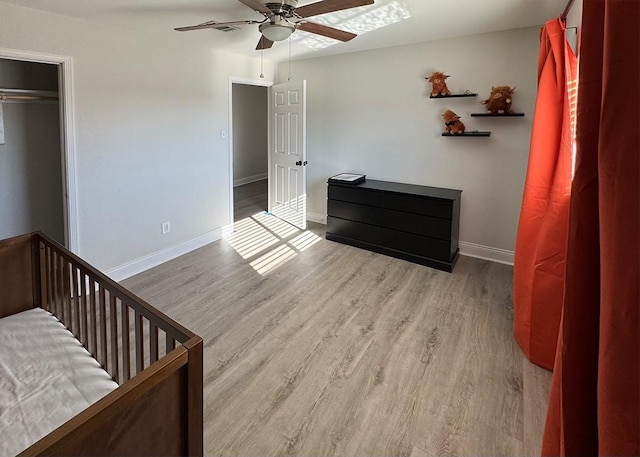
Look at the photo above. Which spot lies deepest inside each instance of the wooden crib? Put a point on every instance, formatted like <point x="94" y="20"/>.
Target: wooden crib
<point x="157" y="407"/>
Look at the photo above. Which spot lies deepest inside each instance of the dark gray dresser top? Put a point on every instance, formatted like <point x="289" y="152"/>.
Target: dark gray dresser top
<point x="402" y="188"/>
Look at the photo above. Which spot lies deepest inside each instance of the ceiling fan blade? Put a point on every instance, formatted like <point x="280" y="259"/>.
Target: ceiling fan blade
<point x="264" y="43"/>
<point x="213" y="24"/>
<point x="329" y="6"/>
<point x="257" y="6"/>
<point x="327" y="31"/>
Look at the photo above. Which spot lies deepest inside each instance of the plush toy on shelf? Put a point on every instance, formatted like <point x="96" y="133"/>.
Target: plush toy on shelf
<point x="452" y="123"/>
<point x="499" y="102"/>
<point x="438" y="84"/>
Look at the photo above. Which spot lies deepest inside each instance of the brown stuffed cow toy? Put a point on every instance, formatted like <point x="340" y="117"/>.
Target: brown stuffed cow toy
<point x="438" y="84"/>
<point x="452" y="122"/>
<point x="499" y="102"/>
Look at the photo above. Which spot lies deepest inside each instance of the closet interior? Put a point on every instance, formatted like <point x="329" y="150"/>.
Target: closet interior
<point x="31" y="163"/>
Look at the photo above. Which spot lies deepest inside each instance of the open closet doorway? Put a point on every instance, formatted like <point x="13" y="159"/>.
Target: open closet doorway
<point x="56" y="171"/>
<point x="250" y="149"/>
<point x="31" y="161"/>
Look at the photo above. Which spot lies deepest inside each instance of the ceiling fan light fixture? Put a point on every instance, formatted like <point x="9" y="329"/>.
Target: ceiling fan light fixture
<point x="276" y="31"/>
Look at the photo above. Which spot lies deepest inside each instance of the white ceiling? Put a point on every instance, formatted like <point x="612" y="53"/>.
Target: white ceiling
<point x="429" y="20"/>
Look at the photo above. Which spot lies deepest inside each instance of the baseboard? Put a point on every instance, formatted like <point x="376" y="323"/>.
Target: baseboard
<point x="469" y="249"/>
<point x="486" y="253"/>
<point x="317" y="217"/>
<point x="153" y="260"/>
<point x="249" y="179"/>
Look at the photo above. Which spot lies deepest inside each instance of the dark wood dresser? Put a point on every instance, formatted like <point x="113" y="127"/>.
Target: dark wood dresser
<point x="415" y="223"/>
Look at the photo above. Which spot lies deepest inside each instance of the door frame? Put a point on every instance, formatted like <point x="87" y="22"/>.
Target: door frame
<point x="67" y="136"/>
<point x="248" y="82"/>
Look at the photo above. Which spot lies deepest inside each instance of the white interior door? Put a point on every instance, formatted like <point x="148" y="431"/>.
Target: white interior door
<point x="287" y="152"/>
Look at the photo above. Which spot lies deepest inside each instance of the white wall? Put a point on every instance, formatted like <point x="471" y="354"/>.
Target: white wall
<point x="30" y="159"/>
<point x="148" y="112"/>
<point x="574" y="19"/>
<point x="369" y="112"/>
<point x="250" y="141"/>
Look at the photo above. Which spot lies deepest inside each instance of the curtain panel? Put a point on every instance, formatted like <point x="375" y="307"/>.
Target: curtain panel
<point x="541" y="241"/>
<point x="594" y="407"/>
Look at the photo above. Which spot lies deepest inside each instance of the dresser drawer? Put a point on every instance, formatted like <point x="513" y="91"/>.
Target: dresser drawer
<point x="399" y="202"/>
<point x="397" y="220"/>
<point x="391" y="239"/>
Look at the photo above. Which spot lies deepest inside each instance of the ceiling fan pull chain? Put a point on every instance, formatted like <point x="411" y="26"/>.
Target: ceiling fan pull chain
<point x="261" y="63"/>
<point x="289" y="58"/>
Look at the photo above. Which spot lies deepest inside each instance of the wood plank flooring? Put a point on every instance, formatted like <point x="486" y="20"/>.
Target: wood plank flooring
<point x="250" y="199"/>
<point x="313" y="348"/>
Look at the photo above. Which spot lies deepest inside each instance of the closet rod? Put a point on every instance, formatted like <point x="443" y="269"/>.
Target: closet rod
<point x="27" y="95"/>
<point x="4" y="97"/>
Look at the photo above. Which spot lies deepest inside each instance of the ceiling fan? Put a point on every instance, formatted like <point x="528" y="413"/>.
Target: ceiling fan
<point x="283" y="17"/>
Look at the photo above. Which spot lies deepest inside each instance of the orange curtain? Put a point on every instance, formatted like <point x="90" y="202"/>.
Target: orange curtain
<point x="594" y="407"/>
<point x="542" y="231"/>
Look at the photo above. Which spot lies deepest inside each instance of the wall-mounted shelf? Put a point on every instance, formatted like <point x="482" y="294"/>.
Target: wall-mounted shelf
<point x="453" y="96"/>
<point x="467" y="134"/>
<point x="497" y="115"/>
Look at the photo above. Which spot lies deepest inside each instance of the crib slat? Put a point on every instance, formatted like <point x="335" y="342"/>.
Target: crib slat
<point x="60" y="279"/>
<point x="139" y="335"/>
<point x="54" y="283"/>
<point x="43" y="276"/>
<point x="50" y="285"/>
<point x="54" y="280"/>
<point x="126" y="347"/>
<point x="153" y="343"/>
<point x="68" y="278"/>
<point x="59" y="288"/>
<point x="66" y="294"/>
<point x="103" y="326"/>
<point x="113" y="324"/>
<point x="74" y="297"/>
<point x="83" y="307"/>
<point x="170" y="344"/>
<point x="93" y="314"/>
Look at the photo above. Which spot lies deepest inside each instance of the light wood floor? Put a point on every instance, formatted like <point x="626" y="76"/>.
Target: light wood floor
<point x="313" y="348"/>
<point x="250" y="199"/>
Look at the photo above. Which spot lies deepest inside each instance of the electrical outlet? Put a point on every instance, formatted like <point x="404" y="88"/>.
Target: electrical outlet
<point x="165" y="227"/>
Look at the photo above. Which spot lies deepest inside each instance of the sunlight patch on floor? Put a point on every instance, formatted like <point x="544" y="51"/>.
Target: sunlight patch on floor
<point x="250" y="238"/>
<point x="277" y="226"/>
<point x="304" y="241"/>
<point x="273" y="259"/>
<point x="254" y="235"/>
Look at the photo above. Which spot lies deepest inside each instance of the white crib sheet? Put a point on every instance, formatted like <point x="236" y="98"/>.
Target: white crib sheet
<point x="46" y="378"/>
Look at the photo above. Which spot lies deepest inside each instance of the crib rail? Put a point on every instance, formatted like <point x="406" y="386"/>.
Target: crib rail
<point x="123" y="333"/>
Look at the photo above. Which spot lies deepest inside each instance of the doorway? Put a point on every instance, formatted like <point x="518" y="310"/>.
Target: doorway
<point x="42" y="161"/>
<point x="250" y="149"/>
<point x="285" y="146"/>
<point x="31" y="164"/>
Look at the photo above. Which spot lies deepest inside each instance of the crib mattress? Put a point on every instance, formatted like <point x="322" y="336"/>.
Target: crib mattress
<point x="46" y="378"/>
